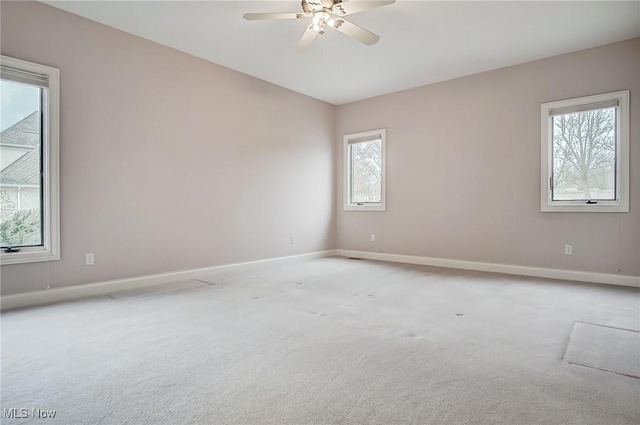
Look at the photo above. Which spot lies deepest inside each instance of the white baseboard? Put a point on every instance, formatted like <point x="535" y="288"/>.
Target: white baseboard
<point x="101" y="288"/>
<point x="610" y="279"/>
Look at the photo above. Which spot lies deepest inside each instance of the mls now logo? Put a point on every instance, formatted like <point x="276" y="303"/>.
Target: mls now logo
<point x="14" y="412"/>
<point x="23" y="412"/>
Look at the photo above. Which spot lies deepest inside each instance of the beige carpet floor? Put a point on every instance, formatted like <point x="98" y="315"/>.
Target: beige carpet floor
<point x="329" y="341"/>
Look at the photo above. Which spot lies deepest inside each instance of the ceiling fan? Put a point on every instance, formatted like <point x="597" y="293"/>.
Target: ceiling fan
<point x="328" y="13"/>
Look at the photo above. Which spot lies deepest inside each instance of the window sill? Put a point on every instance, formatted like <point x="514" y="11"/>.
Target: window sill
<point x="377" y="207"/>
<point x="28" y="255"/>
<point x="583" y="207"/>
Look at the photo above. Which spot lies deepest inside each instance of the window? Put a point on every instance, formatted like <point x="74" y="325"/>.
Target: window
<point x="585" y="154"/>
<point x="364" y="185"/>
<point x="28" y="162"/>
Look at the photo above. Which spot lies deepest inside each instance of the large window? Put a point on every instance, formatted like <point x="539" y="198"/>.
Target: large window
<point x="28" y="162"/>
<point x="585" y="154"/>
<point x="364" y="155"/>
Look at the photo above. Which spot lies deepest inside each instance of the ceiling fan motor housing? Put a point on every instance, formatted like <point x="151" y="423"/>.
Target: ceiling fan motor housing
<point x="311" y="6"/>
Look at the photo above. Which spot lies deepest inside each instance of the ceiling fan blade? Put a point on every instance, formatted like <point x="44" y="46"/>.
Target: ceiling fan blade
<point x="347" y="7"/>
<point x="354" y="31"/>
<point x="267" y="16"/>
<point x="307" y="38"/>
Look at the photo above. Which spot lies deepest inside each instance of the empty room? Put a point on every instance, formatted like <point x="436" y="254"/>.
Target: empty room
<point x="320" y="212"/>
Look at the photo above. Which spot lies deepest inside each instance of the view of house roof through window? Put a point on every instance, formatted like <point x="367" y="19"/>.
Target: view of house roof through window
<point x="20" y="186"/>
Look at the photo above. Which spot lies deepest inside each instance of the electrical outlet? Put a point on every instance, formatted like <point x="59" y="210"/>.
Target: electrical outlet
<point x="568" y="249"/>
<point x="373" y="237"/>
<point x="292" y="239"/>
<point x="89" y="259"/>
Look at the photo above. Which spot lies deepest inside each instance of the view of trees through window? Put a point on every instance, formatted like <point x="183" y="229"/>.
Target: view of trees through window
<point x="20" y="165"/>
<point x="584" y="155"/>
<point x="366" y="171"/>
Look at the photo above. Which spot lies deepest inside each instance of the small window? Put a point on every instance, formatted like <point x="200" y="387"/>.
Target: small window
<point x="28" y="162"/>
<point x="585" y="154"/>
<point x="364" y="155"/>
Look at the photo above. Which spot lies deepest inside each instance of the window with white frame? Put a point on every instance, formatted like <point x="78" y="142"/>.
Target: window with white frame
<point x="585" y="154"/>
<point x="364" y="171"/>
<point x="29" y="206"/>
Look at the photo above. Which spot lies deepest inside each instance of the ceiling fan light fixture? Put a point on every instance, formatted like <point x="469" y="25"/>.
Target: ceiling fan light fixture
<point x="321" y="16"/>
<point x="331" y="22"/>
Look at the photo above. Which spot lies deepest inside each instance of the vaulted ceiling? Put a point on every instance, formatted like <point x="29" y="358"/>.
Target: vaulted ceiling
<point x="421" y="42"/>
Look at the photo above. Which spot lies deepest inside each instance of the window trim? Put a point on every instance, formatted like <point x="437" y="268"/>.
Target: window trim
<point x="50" y="251"/>
<point x="621" y="202"/>
<point x="352" y="138"/>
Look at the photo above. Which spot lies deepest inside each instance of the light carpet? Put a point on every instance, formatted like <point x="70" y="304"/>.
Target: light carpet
<point x="327" y="341"/>
<point x="165" y="288"/>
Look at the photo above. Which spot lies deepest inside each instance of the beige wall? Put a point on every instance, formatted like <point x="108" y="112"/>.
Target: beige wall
<point x="169" y="162"/>
<point x="463" y="168"/>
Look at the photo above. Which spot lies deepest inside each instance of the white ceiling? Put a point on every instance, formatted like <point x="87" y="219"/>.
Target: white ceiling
<point x="421" y="42"/>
